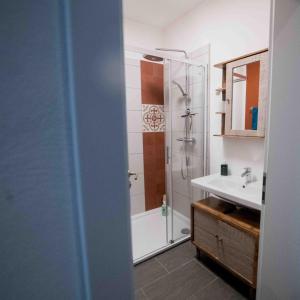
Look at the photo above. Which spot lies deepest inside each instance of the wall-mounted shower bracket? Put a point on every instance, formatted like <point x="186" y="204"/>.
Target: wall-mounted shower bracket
<point x="188" y="115"/>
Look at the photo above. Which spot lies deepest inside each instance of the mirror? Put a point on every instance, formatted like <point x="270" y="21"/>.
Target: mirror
<point x="245" y="96"/>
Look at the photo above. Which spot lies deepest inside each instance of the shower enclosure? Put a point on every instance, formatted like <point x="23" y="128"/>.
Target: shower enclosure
<point x="166" y="101"/>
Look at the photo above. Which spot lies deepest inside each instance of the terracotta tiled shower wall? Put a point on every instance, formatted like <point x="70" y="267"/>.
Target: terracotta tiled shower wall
<point x="153" y="133"/>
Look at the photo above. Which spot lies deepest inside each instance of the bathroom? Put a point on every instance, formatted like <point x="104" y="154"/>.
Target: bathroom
<point x="149" y="149"/>
<point x="176" y="58"/>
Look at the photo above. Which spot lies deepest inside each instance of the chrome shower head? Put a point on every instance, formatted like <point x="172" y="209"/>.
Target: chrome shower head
<point x="180" y="87"/>
<point x="153" y="58"/>
<point x="173" y="50"/>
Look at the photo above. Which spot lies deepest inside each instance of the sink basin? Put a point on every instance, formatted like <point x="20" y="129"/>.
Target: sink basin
<point x="232" y="188"/>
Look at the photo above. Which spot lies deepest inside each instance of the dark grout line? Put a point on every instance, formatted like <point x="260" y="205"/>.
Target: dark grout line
<point x="165" y="268"/>
<point x="208" y="284"/>
<point x="144" y="293"/>
<point x="178" y="268"/>
<point x="181" y="266"/>
<point x="165" y="275"/>
<point x="155" y="280"/>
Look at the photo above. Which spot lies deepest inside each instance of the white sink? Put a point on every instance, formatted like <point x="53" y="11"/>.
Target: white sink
<point x="232" y="188"/>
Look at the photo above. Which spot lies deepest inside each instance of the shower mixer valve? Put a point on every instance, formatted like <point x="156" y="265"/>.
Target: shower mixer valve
<point x="188" y="113"/>
<point x="131" y="174"/>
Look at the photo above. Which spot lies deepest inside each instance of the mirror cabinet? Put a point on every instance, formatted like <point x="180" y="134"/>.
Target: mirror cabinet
<point x="245" y="93"/>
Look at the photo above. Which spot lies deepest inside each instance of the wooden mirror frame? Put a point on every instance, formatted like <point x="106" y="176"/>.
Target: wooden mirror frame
<point x="263" y="95"/>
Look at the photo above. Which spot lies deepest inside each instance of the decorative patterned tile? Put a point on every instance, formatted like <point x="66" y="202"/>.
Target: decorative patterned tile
<point x="153" y="118"/>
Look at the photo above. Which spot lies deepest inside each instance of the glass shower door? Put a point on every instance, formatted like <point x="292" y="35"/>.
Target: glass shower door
<point x="185" y="141"/>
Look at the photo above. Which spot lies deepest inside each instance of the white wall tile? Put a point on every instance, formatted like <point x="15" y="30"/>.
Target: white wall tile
<point x="136" y="163"/>
<point x="194" y="149"/>
<point x="137" y="186"/>
<point x="182" y="204"/>
<point x="177" y="146"/>
<point x="134" y="121"/>
<point x="196" y="168"/>
<point x="132" y="61"/>
<point x="132" y="76"/>
<point x="196" y="74"/>
<point x="198" y="120"/>
<point x="134" y="133"/>
<point x="135" y="142"/>
<point x="180" y="185"/>
<point x="137" y="204"/>
<point x="197" y="194"/>
<point x="133" y="99"/>
<point x="197" y="94"/>
<point x="178" y="122"/>
<point x="178" y="101"/>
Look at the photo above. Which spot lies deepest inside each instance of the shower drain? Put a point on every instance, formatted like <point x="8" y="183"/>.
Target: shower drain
<point x="185" y="231"/>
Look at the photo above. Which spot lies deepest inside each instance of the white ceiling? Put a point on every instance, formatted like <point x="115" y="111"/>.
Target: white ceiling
<point x="157" y="12"/>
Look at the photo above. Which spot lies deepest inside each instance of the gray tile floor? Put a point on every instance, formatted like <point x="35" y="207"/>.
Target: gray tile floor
<point x="178" y="274"/>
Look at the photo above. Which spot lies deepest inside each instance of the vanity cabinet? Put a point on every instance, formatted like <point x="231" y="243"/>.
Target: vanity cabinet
<point x="228" y="235"/>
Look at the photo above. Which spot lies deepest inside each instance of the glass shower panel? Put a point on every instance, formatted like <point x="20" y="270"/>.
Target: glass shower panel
<point x="168" y="148"/>
<point x="186" y="136"/>
<point x="198" y="94"/>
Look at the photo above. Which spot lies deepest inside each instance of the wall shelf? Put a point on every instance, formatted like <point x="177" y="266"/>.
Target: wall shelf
<point x="222" y="114"/>
<point x="238" y="136"/>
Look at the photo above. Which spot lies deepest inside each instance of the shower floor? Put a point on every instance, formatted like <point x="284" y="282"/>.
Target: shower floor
<point x="149" y="232"/>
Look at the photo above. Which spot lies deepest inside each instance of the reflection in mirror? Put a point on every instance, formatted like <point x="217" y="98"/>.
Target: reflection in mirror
<point x="245" y="96"/>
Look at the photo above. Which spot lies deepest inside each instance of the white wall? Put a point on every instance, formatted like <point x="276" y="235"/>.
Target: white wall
<point x="232" y="28"/>
<point x="142" y="35"/>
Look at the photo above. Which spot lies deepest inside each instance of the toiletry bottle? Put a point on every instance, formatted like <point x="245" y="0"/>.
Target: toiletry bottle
<point x="164" y="208"/>
<point x="224" y="169"/>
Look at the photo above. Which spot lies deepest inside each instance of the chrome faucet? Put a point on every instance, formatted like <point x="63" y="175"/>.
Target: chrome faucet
<point x="248" y="176"/>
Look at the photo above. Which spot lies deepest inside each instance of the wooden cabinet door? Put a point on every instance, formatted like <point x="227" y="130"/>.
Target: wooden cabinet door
<point x="238" y="251"/>
<point x="206" y="233"/>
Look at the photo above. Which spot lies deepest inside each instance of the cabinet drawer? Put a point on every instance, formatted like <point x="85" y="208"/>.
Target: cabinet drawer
<point x="206" y="241"/>
<point x="206" y="222"/>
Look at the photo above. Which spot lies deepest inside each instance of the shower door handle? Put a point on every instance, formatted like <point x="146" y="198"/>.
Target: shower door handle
<point x="168" y="155"/>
